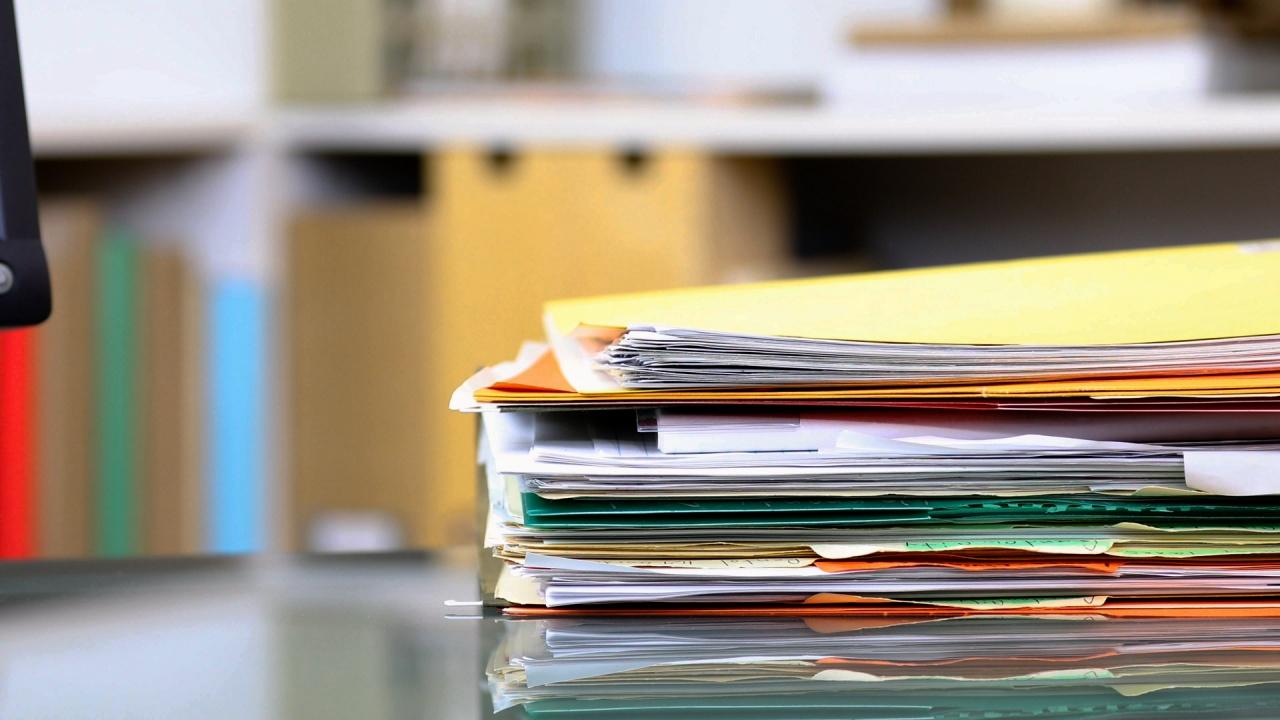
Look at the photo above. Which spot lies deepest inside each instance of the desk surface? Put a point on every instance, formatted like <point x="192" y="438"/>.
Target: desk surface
<point x="377" y="637"/>
<point x="264" y="637"/>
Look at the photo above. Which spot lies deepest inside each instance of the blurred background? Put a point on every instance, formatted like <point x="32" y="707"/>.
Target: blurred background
<point x="282" y="231"/>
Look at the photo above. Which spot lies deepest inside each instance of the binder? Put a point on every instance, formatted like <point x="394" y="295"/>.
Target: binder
<point x="236" y="492"/>
<point x="18" y="510"/>
<point x="118" y="503"/>
<point x="72" y="228"/>
<point x="169" y="477"/>
<point x="359" y="363"/>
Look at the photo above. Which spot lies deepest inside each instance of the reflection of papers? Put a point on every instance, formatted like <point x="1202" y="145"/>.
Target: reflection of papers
<point x="791" y="667"/>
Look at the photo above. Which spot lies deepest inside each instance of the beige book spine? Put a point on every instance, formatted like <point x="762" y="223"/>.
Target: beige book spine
<point x="71" y="228"/>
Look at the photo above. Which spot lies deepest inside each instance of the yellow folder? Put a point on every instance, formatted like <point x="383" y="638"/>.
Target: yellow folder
<point x="1138" y="296"/>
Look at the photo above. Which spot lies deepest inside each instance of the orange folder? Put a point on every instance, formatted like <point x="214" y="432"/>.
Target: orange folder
<point x="543" y="382"/>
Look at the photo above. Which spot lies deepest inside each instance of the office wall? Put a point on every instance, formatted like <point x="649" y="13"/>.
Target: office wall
<point x="769" y="41"/>
<point x="100" y="58"/>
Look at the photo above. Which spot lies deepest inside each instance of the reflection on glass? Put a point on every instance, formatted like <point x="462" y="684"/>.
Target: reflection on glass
<point x="964" y="667"/>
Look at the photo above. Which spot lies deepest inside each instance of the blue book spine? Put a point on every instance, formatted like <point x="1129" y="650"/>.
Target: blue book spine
<point x="237" y="492"/>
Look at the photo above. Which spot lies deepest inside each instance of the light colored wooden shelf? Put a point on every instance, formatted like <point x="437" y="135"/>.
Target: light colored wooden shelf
<point x="143" y="134"/>
<point x="414" y="126"/>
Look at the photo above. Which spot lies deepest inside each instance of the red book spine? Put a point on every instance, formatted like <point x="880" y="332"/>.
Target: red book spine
<point x="17" y="443"/>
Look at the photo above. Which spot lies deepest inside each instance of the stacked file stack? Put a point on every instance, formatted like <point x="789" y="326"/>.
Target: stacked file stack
<point x="1078" y="435"/>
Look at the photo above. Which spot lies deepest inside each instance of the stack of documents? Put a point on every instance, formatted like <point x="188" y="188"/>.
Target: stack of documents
<point x="1096" y="433"/>
<point x="988" y="667"/>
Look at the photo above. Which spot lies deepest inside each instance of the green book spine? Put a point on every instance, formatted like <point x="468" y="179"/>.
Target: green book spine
<point x="118" y="512"/>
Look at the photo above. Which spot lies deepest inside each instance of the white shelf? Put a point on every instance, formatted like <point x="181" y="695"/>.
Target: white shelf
<point x="143" y="134"/>
<point x="418" y="126"/>
<point x="414" y="126"/>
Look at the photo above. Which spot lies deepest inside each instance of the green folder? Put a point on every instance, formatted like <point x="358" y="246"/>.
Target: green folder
<point x="118" y="515"/>
<point x="773" y="512"/>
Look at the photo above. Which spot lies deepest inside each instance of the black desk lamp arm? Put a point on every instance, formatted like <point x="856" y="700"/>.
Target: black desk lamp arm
<point x="24" y="278"/>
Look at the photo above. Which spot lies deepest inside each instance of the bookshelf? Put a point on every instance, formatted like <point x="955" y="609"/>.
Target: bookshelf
<point x="150" y="114"/>
<point x="840" y="190"/>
